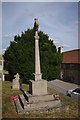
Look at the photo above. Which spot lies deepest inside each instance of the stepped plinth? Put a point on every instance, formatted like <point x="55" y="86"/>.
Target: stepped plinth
<point x="41" y="103"/>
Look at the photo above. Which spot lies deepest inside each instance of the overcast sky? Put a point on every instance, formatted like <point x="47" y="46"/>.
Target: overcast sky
<point x="58" y="19"/>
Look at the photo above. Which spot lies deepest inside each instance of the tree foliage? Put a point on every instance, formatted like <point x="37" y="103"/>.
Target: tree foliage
<point x="19" y="56"/>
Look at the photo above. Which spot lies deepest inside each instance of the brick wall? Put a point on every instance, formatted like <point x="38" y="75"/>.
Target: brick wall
<point x="71" y="56"/>
<point x="71" y="66"/>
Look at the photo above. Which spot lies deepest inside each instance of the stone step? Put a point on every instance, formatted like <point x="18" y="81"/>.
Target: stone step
<point x="22" y="100"/>
<point x="38" y="98"/>
<point x="19" y="108"/>
<point x="52" y="105"/>
<point x="42" y="106"/>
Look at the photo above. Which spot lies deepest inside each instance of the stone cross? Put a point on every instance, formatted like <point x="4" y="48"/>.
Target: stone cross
<point x="16" y="82"/>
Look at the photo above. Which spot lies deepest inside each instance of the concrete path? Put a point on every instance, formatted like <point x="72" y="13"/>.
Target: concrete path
<point x="61" y="86"/>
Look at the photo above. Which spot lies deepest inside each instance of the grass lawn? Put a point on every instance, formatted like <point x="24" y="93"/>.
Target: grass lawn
<point x="9" y="111"/>
<point x="0" y="98"/>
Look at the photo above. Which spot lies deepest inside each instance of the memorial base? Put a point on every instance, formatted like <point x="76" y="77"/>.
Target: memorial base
<point x="38" y="87"/>
<point x="42" y="103"/>
<point x="37" y="98"/>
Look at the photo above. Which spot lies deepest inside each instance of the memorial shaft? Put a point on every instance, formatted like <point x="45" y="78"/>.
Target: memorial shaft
<point x="37" y="58"/>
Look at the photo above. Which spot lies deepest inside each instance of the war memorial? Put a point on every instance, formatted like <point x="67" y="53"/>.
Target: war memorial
<point x="37" y="98"/>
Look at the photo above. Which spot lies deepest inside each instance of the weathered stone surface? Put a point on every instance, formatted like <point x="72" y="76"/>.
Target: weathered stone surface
<point x="16" y="84"/>
<point x="22" y="100"/>
<point x="38" y="87"/>
<point x="48" y="106"/>
<point x="19" y="108"/>
<point x="42" y="105"/>
<point x="38" y="75"/>
<point x="38" y="98"/>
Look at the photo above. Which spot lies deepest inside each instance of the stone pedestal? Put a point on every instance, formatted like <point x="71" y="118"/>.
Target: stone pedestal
<point x="38" y="87"/>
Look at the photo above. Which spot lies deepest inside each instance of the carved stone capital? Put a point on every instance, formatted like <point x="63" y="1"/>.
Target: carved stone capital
<point x="36" y="37"/>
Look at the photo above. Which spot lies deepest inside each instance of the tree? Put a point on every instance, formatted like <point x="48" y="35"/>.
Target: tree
<point x="19" y="56"/>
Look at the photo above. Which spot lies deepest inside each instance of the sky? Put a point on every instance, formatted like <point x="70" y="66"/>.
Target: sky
<point x="57" y="19"/>
<point x="39" y="0"/>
